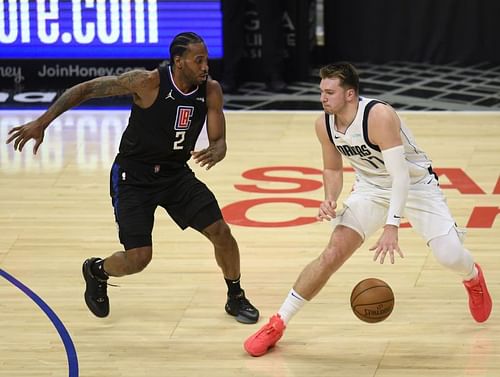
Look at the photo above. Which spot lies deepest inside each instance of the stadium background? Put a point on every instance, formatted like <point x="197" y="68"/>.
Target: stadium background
<point x="416" y="55"/>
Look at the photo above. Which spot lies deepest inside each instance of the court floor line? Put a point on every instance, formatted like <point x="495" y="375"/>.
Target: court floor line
<point x="61" y="329"/>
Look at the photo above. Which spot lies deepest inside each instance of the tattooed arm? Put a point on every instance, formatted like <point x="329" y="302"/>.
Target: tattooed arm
<point x="142" y="84"/>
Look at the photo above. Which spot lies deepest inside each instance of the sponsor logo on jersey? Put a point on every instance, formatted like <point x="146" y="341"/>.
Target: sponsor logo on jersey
<point x="183" y="118"/>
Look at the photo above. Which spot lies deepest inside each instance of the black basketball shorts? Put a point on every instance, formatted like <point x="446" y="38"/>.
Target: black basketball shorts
<point x="137" y="190"/>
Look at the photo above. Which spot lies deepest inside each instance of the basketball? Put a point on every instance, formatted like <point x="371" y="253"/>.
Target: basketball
<point x="372" y="300"/>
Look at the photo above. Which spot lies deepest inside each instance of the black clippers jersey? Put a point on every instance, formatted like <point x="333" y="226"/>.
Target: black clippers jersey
<point x="167" y="131"/>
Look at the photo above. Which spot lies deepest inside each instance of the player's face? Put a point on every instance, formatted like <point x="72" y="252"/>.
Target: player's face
<point x="333" y="96"/>
<point x="195" y="63"/>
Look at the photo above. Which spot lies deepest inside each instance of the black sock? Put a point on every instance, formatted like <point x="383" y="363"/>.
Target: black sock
<point x="97" y="269"/>
<point x="233" y="287"/>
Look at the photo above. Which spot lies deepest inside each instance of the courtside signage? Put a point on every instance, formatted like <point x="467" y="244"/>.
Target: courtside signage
<point x="104" y="29"/>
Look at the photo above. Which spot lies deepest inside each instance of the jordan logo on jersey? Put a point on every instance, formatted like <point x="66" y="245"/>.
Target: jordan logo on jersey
<point x="183" y="118"/>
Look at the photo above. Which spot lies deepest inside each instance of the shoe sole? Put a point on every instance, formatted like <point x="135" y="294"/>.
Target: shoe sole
<point x="258" y="354"/>
<point x="247" y="321"/>
<point x="243" y="319"/>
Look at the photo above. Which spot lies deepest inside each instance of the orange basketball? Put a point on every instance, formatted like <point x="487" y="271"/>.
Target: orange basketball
<point x="372" y="300"/>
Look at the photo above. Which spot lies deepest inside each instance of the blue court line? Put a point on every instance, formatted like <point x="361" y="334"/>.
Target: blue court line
<point x="63" y="333"/>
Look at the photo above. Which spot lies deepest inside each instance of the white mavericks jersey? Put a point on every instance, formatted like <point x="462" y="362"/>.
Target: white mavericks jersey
<point x="366" y="158"/>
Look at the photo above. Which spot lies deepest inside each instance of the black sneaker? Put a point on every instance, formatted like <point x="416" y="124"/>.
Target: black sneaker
<point x="240" y="307"/>
<point x="96" y="296"/>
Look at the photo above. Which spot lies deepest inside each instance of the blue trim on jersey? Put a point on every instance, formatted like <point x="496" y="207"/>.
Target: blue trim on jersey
<point x="115" y="178"/>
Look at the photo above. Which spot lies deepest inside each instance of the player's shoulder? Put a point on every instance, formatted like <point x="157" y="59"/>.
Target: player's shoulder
<point x="151" y="78"/>
<point x="213" y="85"/>
<point x="214" y="94"/>
<point x="321" y="127"/>
<point x="321" y="123"/>
<point x="214" y="89"/>
<point x="321" y="120"/>
<point x="381" y="111"/>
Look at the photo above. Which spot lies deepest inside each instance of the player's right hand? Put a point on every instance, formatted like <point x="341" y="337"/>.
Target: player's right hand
<point x="327" y="210"/>
<point x="387" y="244"/>
<point x="22" y="134"/>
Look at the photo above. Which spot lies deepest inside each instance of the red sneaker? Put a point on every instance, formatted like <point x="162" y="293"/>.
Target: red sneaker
<point x="269" y="334"/>
<point x="479" y="299"/>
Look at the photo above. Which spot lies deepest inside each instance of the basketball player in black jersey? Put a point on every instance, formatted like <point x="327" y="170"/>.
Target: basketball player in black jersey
<point x="170" y="106"/>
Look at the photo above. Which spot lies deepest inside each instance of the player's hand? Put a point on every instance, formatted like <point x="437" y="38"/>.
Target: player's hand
<point x="22" y="134"/>
<point x="387" y="243"/>
<point x="207" y="157"/>
<point x="327" y="210"/>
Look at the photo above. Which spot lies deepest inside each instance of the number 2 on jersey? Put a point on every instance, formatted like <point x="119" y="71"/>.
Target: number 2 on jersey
<point x="180" y="136"/>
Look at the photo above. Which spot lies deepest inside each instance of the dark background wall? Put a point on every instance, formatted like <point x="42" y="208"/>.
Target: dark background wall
<point x="432" y="31"/>
<point x="299" y="27"/>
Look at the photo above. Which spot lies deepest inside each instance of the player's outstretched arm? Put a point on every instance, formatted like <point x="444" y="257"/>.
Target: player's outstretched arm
<point x="216" y="128"/>
<point x="133" y="82"/>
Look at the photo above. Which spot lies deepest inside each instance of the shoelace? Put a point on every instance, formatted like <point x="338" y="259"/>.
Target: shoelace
<point x="476" y="295"/>
<point x="245" y="304"/>
<point x="102" y="289"/>
<point x="271" y="329"/>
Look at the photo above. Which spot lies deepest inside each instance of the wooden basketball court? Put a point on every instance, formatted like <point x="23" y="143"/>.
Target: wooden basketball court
<point x="169" y="320"/>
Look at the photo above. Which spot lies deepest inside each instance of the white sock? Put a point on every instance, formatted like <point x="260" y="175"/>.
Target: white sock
<point x="293" y="303"/>
<point x="472" y="274"/>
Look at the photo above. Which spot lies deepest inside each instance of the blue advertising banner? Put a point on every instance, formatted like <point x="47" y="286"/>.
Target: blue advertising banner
<point x="104" y="29"/>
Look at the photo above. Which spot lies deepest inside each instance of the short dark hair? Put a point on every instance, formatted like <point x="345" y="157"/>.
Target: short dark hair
<point x="344" y="71"/>
<point x="181" y="42"/>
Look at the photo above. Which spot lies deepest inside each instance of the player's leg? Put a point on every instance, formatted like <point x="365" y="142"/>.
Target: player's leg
<point x="450" y="252"/>
<point x="96" y="272"/>
<point x="134" y="212"/>
<point x="361" y="218"/>
<point x="431" y="218"/>
<point x="228" y="258"/>
<point x="226" y="249"/>
<point x="128" y="262"/>
<point x="343" y="242"/>
<point x="196" y="207"/>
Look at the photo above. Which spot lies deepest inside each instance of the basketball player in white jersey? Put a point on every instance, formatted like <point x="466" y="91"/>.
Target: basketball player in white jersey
<point x="393" y="178"/>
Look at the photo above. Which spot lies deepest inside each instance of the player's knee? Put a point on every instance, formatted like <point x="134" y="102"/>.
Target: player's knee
<point x="448" y="258"/>
<point x="450" y="253"/>
<point x="219" y="233"/>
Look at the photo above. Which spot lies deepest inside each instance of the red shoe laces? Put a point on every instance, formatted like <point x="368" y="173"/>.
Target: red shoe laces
<point x="269" y="328"/>
<point x="476" y="294"/>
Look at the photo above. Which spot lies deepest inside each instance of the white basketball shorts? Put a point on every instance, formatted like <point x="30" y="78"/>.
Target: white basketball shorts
<point x="365" y="209"/>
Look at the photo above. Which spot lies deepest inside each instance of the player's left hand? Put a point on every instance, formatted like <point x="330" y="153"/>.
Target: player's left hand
<point x="387" y="243"/>
<point x="207" y="157"/>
